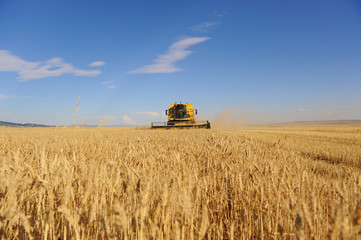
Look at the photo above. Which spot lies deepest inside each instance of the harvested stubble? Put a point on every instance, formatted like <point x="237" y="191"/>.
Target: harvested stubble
<point x="122" y="183"/>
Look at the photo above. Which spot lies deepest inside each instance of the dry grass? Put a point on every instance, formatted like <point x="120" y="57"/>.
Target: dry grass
<point x="127" y="183"/>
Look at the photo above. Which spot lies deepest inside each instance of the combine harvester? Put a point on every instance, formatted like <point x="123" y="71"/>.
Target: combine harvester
<point x="181" y="115"/>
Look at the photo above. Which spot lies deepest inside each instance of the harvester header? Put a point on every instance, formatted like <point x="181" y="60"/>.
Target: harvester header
<point x="181" y="115"/>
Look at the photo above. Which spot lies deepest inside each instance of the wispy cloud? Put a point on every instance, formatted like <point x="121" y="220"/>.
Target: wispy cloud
<point x="97" y="64"/>
<point x="299" y="110"/>
<point x="5" y="113"/>
<point x="336" y="112"/>
<point x="149" y="114"/>
<point x="219" y="13"/>
<point x="351" y="106"/>
<point x="23" y="97"/>
<point x="107" y="83"/>
<point x="204" y="27"/>
<point x="3" y="97"/>
<point x="176" y="52"/>
<point x="128" y="120"/>
<point x="35" y="70"/>
<point x="87" y="73"/>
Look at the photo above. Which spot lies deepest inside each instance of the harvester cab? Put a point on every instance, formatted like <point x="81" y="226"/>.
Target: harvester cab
<point x="181" y="115"/>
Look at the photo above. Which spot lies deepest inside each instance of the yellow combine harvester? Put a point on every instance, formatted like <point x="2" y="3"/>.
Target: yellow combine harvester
<point x="181" y="115"/>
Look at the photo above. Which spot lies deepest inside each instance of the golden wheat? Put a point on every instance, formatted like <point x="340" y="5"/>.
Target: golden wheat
<point x="135" y="183"/>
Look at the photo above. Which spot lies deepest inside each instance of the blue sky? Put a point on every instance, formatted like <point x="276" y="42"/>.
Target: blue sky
<point x="268" y="61"/>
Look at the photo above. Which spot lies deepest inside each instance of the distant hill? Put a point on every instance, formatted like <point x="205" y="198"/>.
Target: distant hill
<point x="11" y="124"/>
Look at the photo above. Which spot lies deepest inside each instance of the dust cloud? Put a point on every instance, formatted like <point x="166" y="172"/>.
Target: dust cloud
<point x="231" y="119"/>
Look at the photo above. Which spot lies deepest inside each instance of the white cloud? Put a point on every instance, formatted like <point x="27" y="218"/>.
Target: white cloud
<point x="219" y="13"/>
<point x="204" y="27"/>
<point x="87" y="73"/>
<point x="34" y="70"/>
<point x="109" y="82"/>
<point x="143" y="118"/>
<point x="176" y="52"/>
<point x="2" y="97"/>
<point x="128" y="120"/>
<point x="149" y="114"/>
<point x="97" y="64"/>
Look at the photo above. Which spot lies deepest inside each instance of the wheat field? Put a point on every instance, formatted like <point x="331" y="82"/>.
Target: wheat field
<point x="269" y="182"/>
